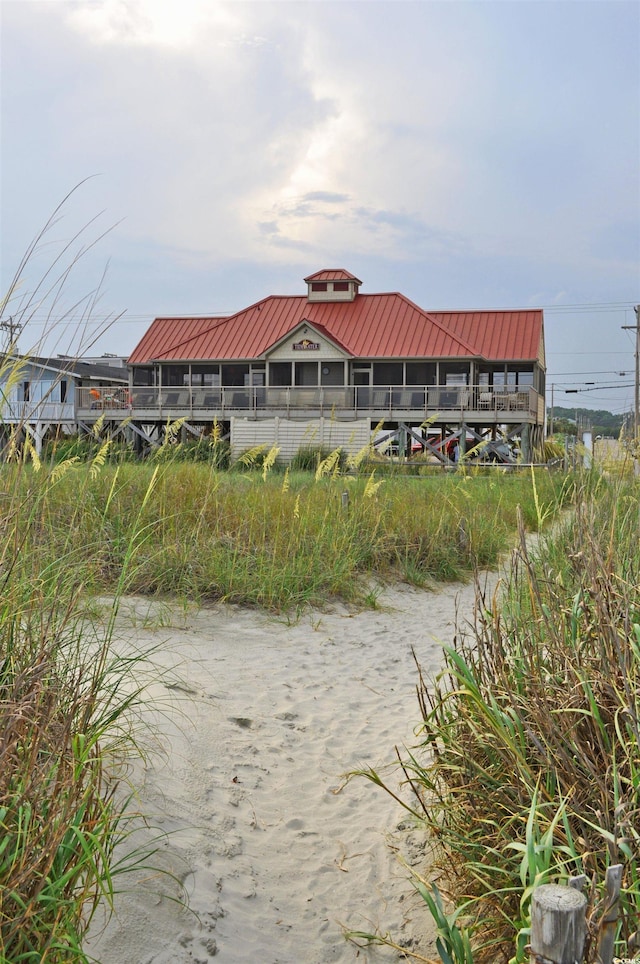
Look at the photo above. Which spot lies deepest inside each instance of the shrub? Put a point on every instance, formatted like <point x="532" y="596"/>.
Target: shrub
<point x="309" y="457"/>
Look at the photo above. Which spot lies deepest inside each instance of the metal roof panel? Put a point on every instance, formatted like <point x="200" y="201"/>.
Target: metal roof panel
<point x="386" y="325"/>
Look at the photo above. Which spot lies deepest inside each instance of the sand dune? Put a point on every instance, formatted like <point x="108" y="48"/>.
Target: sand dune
<point x="260" y="721"/>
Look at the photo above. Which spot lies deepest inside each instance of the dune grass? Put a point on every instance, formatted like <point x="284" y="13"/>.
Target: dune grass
<point x="528" y="765"/>
<point x="68" y="706"/>
<point x="275" y="540"/>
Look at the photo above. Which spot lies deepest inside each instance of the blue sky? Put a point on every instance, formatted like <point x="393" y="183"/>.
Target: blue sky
<point x="469" y="154"/>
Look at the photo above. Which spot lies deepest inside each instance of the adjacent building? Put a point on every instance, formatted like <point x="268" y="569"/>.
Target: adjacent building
<point x="39" y="397"/>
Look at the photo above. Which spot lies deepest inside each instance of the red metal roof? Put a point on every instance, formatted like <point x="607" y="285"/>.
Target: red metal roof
<point x="371" y="326"/>
<point x="333" y="274"/>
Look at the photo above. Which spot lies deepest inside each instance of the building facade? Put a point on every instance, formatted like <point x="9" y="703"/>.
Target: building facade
<point x="331" y="364"/>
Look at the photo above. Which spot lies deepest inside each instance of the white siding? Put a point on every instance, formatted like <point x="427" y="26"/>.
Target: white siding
<point x="286" y="351"/>
<point x="289" y="435"/>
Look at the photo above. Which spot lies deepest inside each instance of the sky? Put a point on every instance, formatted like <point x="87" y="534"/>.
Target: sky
<point x="186" y="157"/>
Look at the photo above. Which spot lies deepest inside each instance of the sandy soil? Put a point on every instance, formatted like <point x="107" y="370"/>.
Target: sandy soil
<point x="259" y="722"/>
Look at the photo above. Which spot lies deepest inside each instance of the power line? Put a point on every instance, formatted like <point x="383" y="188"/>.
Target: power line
<point x="596" y="388"/>
<point x="559" y="374"/>
<point x="596" y="307"/>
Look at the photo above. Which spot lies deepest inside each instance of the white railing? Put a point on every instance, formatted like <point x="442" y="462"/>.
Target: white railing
<point x="15" y="413"/>
<point x="413" y="401"/>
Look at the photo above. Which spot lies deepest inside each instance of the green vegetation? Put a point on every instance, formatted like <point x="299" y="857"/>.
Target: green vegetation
<point x="280" y="541"/>
<point x="67" y="702"/>
<point x="603" y="422"/>
<point x="528" y="767"/>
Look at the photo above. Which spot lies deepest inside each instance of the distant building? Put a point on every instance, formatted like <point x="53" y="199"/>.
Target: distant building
<point x="107" y="360"/>
<point x="39" y="395"/>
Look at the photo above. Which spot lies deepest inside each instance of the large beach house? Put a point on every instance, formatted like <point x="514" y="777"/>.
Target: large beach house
<point x="328" y="365"/>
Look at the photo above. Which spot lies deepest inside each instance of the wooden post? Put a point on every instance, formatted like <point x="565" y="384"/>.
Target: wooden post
<point x="609" y="922"/>
<point x="558" y="925"/>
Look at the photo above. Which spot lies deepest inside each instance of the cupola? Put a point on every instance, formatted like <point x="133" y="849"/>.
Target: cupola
<point x="332" y="284"/>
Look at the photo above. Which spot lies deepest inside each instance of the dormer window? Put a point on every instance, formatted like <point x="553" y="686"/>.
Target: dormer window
<point x="332" y="284"/>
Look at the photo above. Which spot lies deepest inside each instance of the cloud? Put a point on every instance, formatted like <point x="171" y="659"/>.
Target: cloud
<point x="329" y="197"/>
<point x="163" y="23"/>
<point x="485" y="147"/>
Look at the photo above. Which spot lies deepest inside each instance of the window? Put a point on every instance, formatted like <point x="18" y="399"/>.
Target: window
<point x="318" y="285"/>
<point x="340" y="285"/>
<point x="524" y="379"/>
<point x="454" y="373"/>
<point x="235" y="376"/>
<point x="143" y="376"/>
<point x="280" y="374"/>
<point x="26" y="391"/>
<point x="205" y="376"/>
<point x="361" y="373"/>
<point x="306" y="373"/>
<point x="174" y="376"/>
<point x="332" y="373"/>
<point x="387" y="373"/>
<point x="63" y="389"/>
<point x="421" y="373"/>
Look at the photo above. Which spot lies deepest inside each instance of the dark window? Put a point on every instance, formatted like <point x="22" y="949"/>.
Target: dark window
<point x="387" y="373"/>
<point x="421" y="373"/>
<point x="340" y="285"/>
<point x="205" y="376"/>
<point x="318" y="285"/>
<point x="26" y="391"/>
<point x="280" y="374"/>
<point x="235" y="375"/>
<point x="143" y="376"/>
<point x="175" y="375"/>
<point x="63" y="390"/>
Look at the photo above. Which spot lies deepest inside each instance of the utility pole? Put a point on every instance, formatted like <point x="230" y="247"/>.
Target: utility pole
<point x="13" y="329"/>
<point x="636" y="407"/>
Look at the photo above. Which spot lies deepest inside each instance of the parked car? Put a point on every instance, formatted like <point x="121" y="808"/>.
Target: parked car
<point x="499" y="451"/>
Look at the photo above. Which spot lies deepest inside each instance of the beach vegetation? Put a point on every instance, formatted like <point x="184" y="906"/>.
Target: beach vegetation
<point x="526" y="769"/>
<point x="277" y="541"/>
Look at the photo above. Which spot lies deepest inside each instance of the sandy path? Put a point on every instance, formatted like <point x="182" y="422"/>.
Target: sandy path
<point x="276" y="859"/>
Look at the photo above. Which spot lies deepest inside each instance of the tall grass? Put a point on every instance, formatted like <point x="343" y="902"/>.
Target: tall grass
<point x="278" y="541"/>
<point x="67" y="712"/>
<point x="528" y="767"/>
